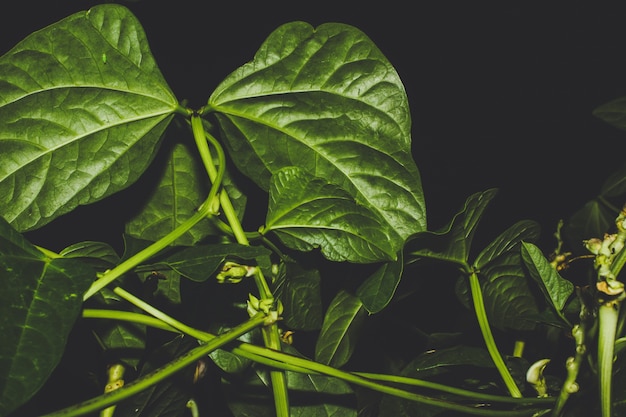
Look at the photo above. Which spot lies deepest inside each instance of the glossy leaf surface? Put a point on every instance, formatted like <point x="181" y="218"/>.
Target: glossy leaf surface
<point x="328" y="101"/>
<point x="82" y="110"/>
<point x="308" y="213"/>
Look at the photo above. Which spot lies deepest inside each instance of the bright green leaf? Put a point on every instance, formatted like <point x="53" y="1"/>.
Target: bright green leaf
<point x="40" y="299"/>
<point x="307" y="212"/>
<point x="75" y="129"/>
<point x="556" y="289"/>
<point x="339" y="334"/>
<point x="326" y="100"/>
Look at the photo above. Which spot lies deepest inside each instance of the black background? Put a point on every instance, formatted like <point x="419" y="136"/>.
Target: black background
<point x="501" y="93"/>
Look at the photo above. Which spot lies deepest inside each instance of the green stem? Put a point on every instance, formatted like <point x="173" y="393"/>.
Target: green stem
<point x="160" y="374"/>
<point x="288" y="362"/>
<point x="113" y="274"/>
<point x="481" y="315"/>
<point x="271" y="334"/>
<point x="607" y="319"/>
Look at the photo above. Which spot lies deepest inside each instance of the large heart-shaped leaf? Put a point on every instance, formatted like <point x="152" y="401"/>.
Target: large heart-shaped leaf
<point x="82" y="109"/>
<point x="40" y="299"/>
<point x="307" y="212"/>
<point x="328" y="101"/>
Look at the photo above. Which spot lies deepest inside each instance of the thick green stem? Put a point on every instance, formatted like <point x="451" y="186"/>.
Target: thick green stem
<point x="607" y="319"/>
<point x="271" y="334"/>
<point x="481" y="315"/>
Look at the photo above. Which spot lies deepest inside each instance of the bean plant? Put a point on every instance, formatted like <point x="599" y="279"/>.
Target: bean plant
<point x="276" y="254"/>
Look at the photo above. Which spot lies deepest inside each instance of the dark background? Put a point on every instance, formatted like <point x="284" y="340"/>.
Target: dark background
<point x="501" y="93"/>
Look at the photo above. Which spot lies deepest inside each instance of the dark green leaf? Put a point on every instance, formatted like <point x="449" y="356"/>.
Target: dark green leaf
<point x="178" y="193"/>
<point x="74" y="127"/>
<point x="525" y="230"/>
<point x="615" y="185"/>
<point x="328" y="101"/>
<point x="453" y="242"/>
<point x="99" y="254"/>
<point x="509" y="301"/>
<point x="169" y="397"/>
<point x="613" y="113"/>
<point x="342" y="324"/>
<point x="313" y="395"/>
<point x="299" y="291"/>
<point x="556" y="289"/>
<point x="594" y="219"/>
<point x="40" y="301"/>
<point x="378" y="289"/>
<point x="307" y="212"/>
<point x="200" y="262"/>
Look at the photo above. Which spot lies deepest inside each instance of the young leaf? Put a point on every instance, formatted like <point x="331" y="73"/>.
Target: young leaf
<point x="40" y="299"/>
<point x="378" y="289"/>
<point x="509" y="301"/>
<point x="555" y="289"/>
<point x="299" y="291"/>
<point x="342" y="322"/>
<point x="75" y="128"/>
<point x="178" y="193"/>
<point x="453" y="242"/>
<point x="307" y="212"/>
<point x="326" y="100"/>
<point x="525" y="230"/>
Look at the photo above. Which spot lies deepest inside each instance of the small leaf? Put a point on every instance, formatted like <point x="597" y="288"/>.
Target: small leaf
<point x="509" y="301"/>
<point x="307" y="212"/>
<point x="75" y="129"/>
<point x="299" y="291"/>
<point x="378" y="289"/>
<point x="453" y="242"/>
<point x="178" y="193"/>
<point x="556" y="289"/>
<point x="200" y="262"/>
<point x="342" y="323"/>
<point x="40" y="299"/>
<point x="326" y="100"/>
<point x="525" y="230"/>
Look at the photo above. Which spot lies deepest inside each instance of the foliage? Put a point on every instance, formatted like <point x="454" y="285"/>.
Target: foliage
<point x="337" y="303"/>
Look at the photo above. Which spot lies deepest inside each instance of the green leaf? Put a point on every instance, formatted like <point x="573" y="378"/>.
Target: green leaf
<point x="177" y="194"/>
<point x="334" y="396"/>
<point x="525" y="230"/>
<point x="307" y="212"/>
<point x="342" y="323"/>
<point x="40" y="299"/>
<point x="378" y="289"/>
<point x="326" y="100"/>
<point x="509" y="301"/>
<point x="453" y="242"/>
<point x="613" y="113"/>
<point x="200" y="262"/>
<point x="299" y="291"/>
<point x="556" y="289"/>
<point x="75" y="128"/>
